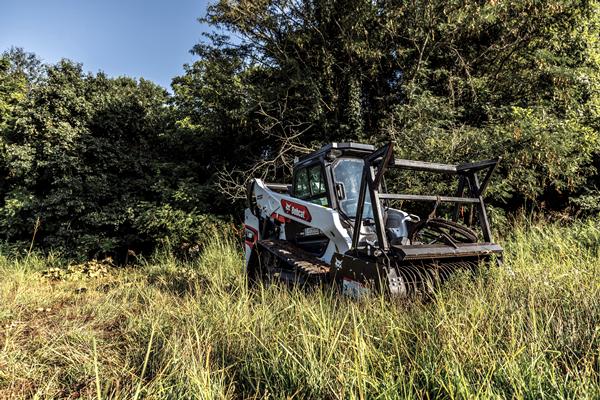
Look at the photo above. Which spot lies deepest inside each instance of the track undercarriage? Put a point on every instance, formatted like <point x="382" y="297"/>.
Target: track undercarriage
<point x="280" y="261"/>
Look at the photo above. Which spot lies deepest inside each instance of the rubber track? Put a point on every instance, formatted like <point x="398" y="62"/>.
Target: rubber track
<point x="296" y="258"/>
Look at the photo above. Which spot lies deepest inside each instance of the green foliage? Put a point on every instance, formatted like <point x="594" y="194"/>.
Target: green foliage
<point x="525" y="330"/>
<point x="448" y="81"/>
<point x="88" y="269"/>
<point x="83" y="157"/>
<point x="182" y="232"/>
<point x="80" y="153"/>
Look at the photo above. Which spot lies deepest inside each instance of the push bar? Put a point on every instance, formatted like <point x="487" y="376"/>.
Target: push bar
<point x="417" y="197"/>
<point x="444" y="168"/>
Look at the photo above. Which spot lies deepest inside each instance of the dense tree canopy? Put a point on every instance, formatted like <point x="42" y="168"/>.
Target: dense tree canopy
<point x="93" y="164"/>
<point x="447" y="80"/>
<point x="88" y="162"/>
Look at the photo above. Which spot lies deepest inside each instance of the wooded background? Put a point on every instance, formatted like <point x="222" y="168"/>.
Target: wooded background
<point x="93" y="165"/>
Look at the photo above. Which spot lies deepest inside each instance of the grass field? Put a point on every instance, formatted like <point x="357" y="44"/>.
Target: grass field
<point x="192" y="330"/>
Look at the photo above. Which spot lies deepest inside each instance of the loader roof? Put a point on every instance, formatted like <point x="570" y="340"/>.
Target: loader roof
<point x="345" y="148"/>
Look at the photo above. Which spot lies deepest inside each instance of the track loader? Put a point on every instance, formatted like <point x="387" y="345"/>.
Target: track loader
<point x="335" y="224"/>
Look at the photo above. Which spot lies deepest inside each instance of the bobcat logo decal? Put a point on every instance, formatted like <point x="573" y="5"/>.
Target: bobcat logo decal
<point x="338" y="264"/>
<point x="296" y="210"/>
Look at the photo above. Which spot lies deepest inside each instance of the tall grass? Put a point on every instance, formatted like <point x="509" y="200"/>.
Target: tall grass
<point x="167" y="329"/>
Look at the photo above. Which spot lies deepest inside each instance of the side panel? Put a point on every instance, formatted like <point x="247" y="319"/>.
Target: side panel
<point x="283" y="207"/>
<point x="251" y="234"/>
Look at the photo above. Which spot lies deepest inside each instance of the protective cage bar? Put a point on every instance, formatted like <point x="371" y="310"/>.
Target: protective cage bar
<point x="375" y="165"/>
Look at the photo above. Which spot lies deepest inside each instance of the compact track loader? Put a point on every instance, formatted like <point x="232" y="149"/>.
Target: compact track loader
<point x="336" y="223"/>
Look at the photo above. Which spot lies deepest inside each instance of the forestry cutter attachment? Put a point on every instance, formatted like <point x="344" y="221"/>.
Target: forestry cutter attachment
<point x="336" y="224"/>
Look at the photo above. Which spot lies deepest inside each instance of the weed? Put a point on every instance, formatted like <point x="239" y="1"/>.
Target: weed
<point x="170" y="329"/>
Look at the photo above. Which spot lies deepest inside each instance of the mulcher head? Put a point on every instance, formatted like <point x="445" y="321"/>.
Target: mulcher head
<point x="413" y="278"/>
<point x="412" y="275"/>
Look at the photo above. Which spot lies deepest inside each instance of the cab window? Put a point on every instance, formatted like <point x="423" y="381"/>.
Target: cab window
<point x="310" y="185"/>
<point x="301" y="188"/>
<point x="317" y="183"/>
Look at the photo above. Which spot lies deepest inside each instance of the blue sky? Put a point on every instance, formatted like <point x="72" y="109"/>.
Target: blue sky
<point x="137" y="38"/>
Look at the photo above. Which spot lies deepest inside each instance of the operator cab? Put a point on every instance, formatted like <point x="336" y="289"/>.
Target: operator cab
<point x="329" y="177"/>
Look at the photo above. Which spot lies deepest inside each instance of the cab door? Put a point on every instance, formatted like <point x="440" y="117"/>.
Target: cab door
<point x="309" y="185"/>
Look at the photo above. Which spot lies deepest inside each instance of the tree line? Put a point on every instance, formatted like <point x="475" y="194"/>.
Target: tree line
<point x="94" y="165"/>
